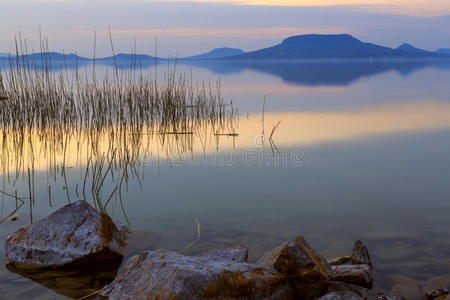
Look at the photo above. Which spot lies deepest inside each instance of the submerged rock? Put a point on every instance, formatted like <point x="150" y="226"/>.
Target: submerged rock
<point x="406" y="287"/>
<point x="169" y="275"/>
<point x="306" y="270"/>
<point x="231" y="253"/>
<point x="436" y="283"/>
<point x="345" y="291"/>
<point x="76" y="233"/>
<point x="439" y="294"/>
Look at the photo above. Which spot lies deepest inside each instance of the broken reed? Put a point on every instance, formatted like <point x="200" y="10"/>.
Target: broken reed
<point x="130" y="109"/>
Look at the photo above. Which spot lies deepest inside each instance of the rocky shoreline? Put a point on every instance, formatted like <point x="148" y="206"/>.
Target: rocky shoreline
<point x="80" y="241"/>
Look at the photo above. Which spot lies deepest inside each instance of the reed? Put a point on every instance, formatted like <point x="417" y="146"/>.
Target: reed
<point x="129" y="112"/>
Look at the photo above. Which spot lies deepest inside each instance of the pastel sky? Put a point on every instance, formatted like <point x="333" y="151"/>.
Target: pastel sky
<point x="190" y="27"/>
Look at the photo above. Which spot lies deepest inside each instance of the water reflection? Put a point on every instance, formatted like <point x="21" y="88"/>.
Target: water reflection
<point x="92" y="137"/>
<point x="322" y="73"/>
<point x="299" y="72"/>
<point x="75" y="281"/>
<point x="375" y="166"/>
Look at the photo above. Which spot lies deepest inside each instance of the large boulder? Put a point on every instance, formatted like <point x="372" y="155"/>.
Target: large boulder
<point x="305" y="269"/>
<point x="345" y="291"/>
<point x="76" y="233"/>
<point x="170" y="275"/>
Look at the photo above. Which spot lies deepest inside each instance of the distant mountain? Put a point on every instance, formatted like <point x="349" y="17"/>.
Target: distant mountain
<point x="127" y="60"/>
<point x="53" y="56"/>
<point x="129" y="57"/>
<point x="310" y="46"/>
<point x="443" y="51"/>
<point x="39" y="60"/>
<point x="4" y="54"/>
<point x="405" y="47"/>
<point x="217" y="53"/>
<point x="336" y="46"/>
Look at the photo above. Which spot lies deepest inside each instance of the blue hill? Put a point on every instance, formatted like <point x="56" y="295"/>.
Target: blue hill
<point x="217" y="53"/>
<point x="53" y="56"/>
<point x="129" y="57"/>
<point x="405" y="47"/>
<point x="336" y="46"/>
<point x="443" y="51"/>
<point x="310" y="46"/>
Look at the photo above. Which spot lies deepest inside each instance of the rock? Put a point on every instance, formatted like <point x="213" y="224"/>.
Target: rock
<point x="170" y="275"/>
<point x="354" y="274"/>
<point x="76" y="233"/>
<point x="345" y="291"/>
<point x="341" y="260"/>
<point x="231" y="253"/>
<point x="405" y="287"/>
<point x="360" y="254"/>
<point x="436" y="283"/>
<point x="355" y="269"/>
<point x="305" y="269"/>
<point x="438" y="294"/>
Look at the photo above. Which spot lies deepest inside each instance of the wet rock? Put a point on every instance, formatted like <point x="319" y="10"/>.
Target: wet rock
<point x="360" y="254"/>
<point x="355" y="269"/>
<point x="232" y="253"/>
<point x="341" y="260"/>
<point x="439" y="294"/>
<point x="406" y="287"/>
<point x="305" y="269"/>
<point x="170" y="275"/>
<point x="354" y="274"/>
<point x="345" y="291"/>
<point x="76" y="233"/>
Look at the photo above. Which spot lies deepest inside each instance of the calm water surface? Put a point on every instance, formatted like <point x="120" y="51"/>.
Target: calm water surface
<point x="362" y="151"/>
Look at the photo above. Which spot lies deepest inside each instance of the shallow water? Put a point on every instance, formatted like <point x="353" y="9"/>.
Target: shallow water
<point x="361" y="152"/>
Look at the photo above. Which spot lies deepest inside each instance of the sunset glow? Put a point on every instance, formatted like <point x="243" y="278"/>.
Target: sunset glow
<point x="417" y="7"/>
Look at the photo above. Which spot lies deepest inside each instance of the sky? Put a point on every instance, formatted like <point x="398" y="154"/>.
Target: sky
<point x="183" y="28"/>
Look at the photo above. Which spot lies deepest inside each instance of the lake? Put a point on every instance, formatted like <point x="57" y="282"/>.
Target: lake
<point x="331" y="150"/>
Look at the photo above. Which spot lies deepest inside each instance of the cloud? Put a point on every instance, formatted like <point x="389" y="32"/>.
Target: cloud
<point x="402" y="7"/>
<point x="188" y="28"/>
<point x="252" y="33"/>
<point x="408" y="7"/>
